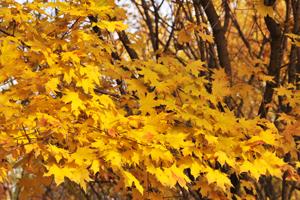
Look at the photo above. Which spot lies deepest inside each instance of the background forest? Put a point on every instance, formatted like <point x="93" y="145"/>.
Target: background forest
<point x="168" y="99"/>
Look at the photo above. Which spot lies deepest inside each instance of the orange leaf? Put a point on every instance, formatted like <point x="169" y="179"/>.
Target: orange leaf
<point x="180" y="180"/>
<point x="148" y="136"/>
<point x="111" y="132"/>
<point x="43" y="121"/>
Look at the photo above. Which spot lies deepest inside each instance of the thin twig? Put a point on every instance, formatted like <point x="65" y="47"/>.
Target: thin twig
<point x="120" y="137"/>
<point x="67" y="138"/>
<point x="15" y="138"/>
<point x="107" y="93"/>
<point x="85" y="195"/>
<point x="179" y="96"/>
<point x="289" y="63"/>
<point x="28" y="138"/>
<point x="238" y="107"/>
<point x="172" y="31"/>
<point x="70" y="28"/>
<point x="97" y="194"/>
<point x="21" y="145"/>
<point x="72" y="133"/>
<point x="23" y="43"/>
<point x="3" y="31"/>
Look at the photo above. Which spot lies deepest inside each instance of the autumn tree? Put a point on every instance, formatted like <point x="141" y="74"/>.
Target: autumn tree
<point x="172" y="100"/>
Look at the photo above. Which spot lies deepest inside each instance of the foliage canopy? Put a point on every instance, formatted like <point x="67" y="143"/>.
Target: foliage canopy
<point x="199" y="102"/>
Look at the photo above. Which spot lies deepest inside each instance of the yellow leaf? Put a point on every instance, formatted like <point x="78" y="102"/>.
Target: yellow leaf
<point x="157" y="154"/>
<point x="183" y="37"/>
<point x="115" y="158"/>
<point x="265" y="78"/>
<point x="95" y="166"/>
<point x="222" y="158"/>
<point x="148" y="102"/>
<point x="104" y="100"/>
<point x="205" y="37"/>
<point x="266" y="137"/>
<point x="216" y="176"/>
<point x="270" y="162"/>
<point x="86" y="84"/>
<point x="297" y="164"/>
<point x="58" y="153"/>
<point x="264" y="10"/>
<point x="120" y="26"/>
<point x="195" y="66"/>
<point x="110" y="26"/>
<point x="136" y="85"/>
<point x="211" y="139"/>
<point x="161" y="69"/>
<point x="74" y="98"/>
<point x="150" y="76"/>
<point x="178" y="175"/>
<point x="51" y="85"/>
<point x="129" y="178"/>
<point x="92" y="72"/>
<point x="80" y="176"/>
<point x="70" y="56"/>
<point x="248" y="197"/>
<point x="282" y="91"/>
<point x="4" y="100"/>
<point x="59" y="173"/>
<point x="83" y="156"/>
<point x="248" y="166"/>
<point x="196" y="168"/>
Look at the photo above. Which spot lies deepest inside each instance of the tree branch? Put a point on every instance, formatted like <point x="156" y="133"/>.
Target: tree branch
<point x="274" y="65"/>
<point x="219" y="36"/>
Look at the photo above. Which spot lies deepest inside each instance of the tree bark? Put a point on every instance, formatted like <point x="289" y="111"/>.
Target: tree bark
<point x="274" y="65"/>
<point x="219" y="35"/>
